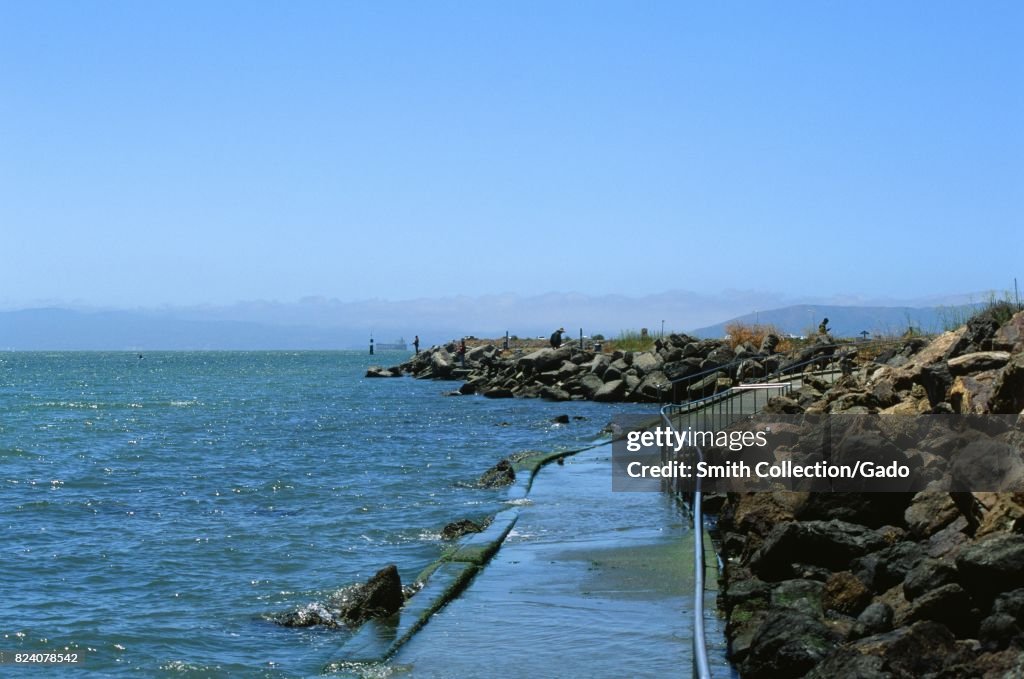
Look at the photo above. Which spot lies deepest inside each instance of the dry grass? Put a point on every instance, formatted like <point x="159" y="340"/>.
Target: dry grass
<point x="754" y="334"/>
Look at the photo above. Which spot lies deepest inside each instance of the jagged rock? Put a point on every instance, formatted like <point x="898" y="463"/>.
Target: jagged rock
<point x="980" y="331"/>
<point x="1010" y="603"/>
<point x="611" y="391"/>
<point x="1010" y="337"/>
<point x="682" y="368"/>
<point x="560" y="419"/>
<point x="927" y="575"/>
<point x="993" y="564"/>
<point x="949" y="605"/>
<point x="884" y="568"/>
<point x="752" y="590"/>
<point x="831" y="544"/>
<point x="441" y="364"/>
<point x="846" y="594"/>
<point x="587" y="385"/>
<point x="481" y="354"/>
<point x="988" y="464"/>
<point x="787" y="644"/>
<point x="457" y="529"/>
<point x="380" y="597"/>
<point x="799" y="594"/>
<point x="544" y="359"/>
<point x="567" y="371"/>
<point x="653" y="388"/>
<point x="997" y="631"/>
<point x="972" y="394"/>
<point x="501" y="474"/>
<point x="977" y="362"/>
<point x="876" y="618"/>
<point x="869" y="509"/>
<point x="759" y="513"/>
<point x="930" y="513"/>
<point x="1008" y="391"/>
<point x="706" y="386"/>
<point x="923" y="648"/>
<point x="647" y="362"/>
<point x="599" y="364"/>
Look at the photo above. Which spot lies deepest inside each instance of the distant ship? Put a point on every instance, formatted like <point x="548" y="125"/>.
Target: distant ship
<point x="397" y="345"/>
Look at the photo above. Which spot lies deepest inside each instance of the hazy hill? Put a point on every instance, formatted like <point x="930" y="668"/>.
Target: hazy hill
<point x="845" y="321"/>
<point x="331" y="324"/>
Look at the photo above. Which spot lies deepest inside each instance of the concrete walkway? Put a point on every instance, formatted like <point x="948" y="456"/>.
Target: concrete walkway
<point x="589" y="583"/>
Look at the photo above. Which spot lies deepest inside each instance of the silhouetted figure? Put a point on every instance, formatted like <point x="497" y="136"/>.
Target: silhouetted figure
<point x="416" y="344"/>
<point x="556" y="338"/>
<point x="823" y="328"/>
<point x="371" y="346"/>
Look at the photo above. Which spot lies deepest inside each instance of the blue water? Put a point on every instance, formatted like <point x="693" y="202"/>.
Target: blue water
<point x="157" y="510"/>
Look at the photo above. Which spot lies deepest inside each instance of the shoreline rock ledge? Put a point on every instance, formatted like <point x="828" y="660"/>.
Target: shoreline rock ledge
<point x="569" y="373"/>
<point x="898" y="585"/>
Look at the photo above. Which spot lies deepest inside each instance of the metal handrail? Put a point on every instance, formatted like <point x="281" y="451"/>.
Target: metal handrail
<point x="701" y="664"/>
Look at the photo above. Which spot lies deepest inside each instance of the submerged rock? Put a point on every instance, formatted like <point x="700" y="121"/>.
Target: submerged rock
<point x="459" y="528"/>
<point x="380" y="597"/>
<point x="501" y="474"/>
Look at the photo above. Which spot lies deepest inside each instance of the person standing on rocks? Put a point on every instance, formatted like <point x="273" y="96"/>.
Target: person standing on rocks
<point x="462" y="352"/>
<point x="556" y="338"/>
<point x="823" y="328"/>
<point x="416" y="344"/>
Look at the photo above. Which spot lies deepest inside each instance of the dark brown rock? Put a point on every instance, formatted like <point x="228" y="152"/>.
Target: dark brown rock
<point x="457" y="529"/>
<point x="787" y="644"/>
<point x="845" y="594"/>
<point x="380" y="597"/>
<point x="501" y="474"/>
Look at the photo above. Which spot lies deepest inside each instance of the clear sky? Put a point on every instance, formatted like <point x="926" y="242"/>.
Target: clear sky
<point x="207" y="152"/>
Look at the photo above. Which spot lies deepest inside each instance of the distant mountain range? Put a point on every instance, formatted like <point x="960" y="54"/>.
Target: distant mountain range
<point x="317" y="323"/>
<point x="849" y="321"/>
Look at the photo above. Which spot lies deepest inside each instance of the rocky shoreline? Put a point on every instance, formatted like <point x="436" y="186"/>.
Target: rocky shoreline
<point x="571" y="373"/>
<point x="927" y="584"/>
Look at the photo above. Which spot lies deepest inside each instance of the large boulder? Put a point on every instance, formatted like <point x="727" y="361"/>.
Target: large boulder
<point x="1010" y="337"/>
<point x="831" y="544"/>
<point x="788" y="643"/>
<point x="1008" y="390"/>
<point x="380" y="597"/>
<point x="922" y="649"/>
<point x="846" y="594"/>
<point x="611" y="391"/>
<point x="544" y="359"/>
<point x="646" y="362"/>
<point x="653" y="389"/>
<point x="993" y="564"/>
<point x="977" y="362"/>
<point x="441" y="364"/>
<point x="501" y="474"/>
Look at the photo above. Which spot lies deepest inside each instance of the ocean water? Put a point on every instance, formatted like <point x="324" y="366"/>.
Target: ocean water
<point x="156" y="511"/>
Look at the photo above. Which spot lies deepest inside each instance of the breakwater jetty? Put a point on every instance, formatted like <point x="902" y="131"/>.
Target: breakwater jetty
<point x="678" y="367"/>
<point x="892" y="584"/>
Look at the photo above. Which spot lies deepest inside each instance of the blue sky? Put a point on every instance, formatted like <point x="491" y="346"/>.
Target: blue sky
<point x="204" y="153"/>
